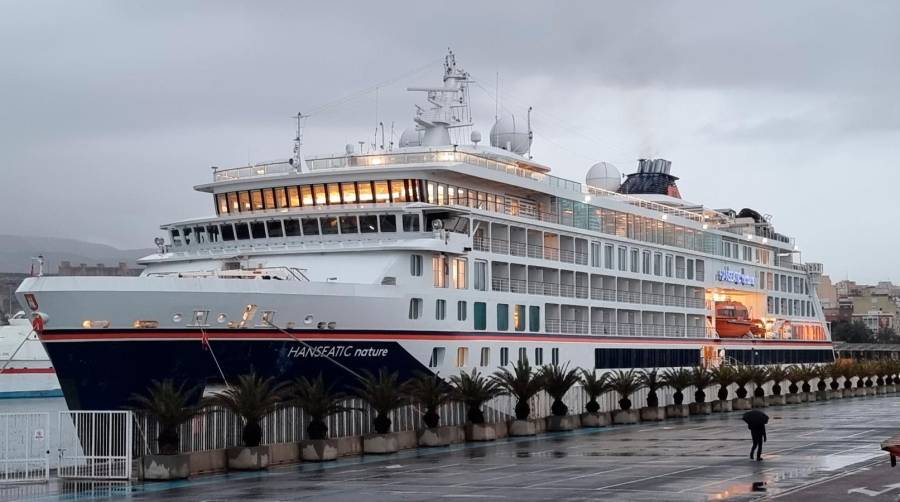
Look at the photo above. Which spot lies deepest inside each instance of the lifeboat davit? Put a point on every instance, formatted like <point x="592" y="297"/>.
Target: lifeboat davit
<point x="733" y="321"/>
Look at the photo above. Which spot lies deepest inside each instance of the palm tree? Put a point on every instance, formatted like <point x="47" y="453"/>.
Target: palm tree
<point x="594" y="386"/>
<point x="523" y="382"/>
<point x="678" y="379"/>
<point x="170" y="406"/>
<point x="625" y="383"/>
<point x="723" y="375"/>
<point x="743" y="375"/>
<point x="474" y="389"/>
<point x="777" y="374"/>
<point x="430" y="391"/>
<point x="383" y="392"/>
<point x="252" y="398"/>
<point x="759" y="375"/>
<point x="557" y="382"/>
<point x="652" y="381"/>
<point x="700" y="379"/>
<point x="319" y="400"/>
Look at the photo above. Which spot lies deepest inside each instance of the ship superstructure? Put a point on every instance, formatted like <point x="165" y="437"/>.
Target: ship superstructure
<point x="437" y="257"/>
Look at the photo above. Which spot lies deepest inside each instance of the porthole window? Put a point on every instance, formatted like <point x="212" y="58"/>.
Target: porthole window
<point x="176" y="318"/>
<point x="222" y="318"/>
<point x="308" y="319"/>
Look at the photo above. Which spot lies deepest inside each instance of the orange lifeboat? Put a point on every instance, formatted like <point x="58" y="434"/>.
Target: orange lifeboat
<point x="733" y="321"/>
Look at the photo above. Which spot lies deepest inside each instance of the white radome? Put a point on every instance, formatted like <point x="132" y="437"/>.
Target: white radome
<point x="510" y="135"/>
<point x="411" y="137"/>
<point x="604" y="175"/>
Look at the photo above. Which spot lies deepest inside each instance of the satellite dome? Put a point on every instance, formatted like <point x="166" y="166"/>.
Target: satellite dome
<point x="604" y="175"/>
<point x="510" y="135"/>
<point x="411" y="137"/>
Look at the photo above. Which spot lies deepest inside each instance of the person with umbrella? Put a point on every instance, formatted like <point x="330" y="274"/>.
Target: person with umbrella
<point x="756" y="422"/>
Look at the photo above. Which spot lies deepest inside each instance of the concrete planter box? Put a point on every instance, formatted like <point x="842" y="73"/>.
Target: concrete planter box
<point x="245" y="458"/>
<point x="440" y="436"/>
<point x="890" y="389"/>
<point x="599" y="419"/>
<point x="519" y="428"/>
<point x="836" y="394"/>
<point x="381" y="443"/>
<point x="700" y="408"/>
<point x="480" y="432"/>
<point x="859" y="391"/>
<point x="793" y="398"/>
<point x="870" y="391"/>
<point x="653" y="414"/>
<point x="809" y="397"/>
<point x="677" y="411"/>
<point x="759" y="402"/>
<point x="565" y="423"/>
<point x="880" y="390"/>
<point x="778" y="400"/>
<point x="318" y="450"/>
<point x="720" y="406"/>
<point x="166" y="467"/>
<point x="740" y="404"/>
<point x="625" y="417"/>
<point x="822" y="395"/>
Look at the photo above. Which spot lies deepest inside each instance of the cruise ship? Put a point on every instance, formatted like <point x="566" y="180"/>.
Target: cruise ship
<point x="436" y="256"/>
<point x="25" y="369"/>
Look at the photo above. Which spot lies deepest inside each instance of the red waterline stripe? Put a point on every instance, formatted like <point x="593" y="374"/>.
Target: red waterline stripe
<point x="19" y="371"/>
<point x="141" y="335"/>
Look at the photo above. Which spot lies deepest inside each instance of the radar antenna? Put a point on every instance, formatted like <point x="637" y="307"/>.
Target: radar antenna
<point x="449" y="105"/>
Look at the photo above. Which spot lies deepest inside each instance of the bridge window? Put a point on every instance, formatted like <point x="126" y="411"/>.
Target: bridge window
<point x="387" y="222"/>
<point x="368" y="224"/>
<point x="274" y="228"/>
<point x="258" y="229"/>
<point x="310" y="226"/>
<point x="227" y="232"/>
<point x="242" y="231"/>
<point x="291" y="228"/>
<point x="329" y="225"/>
<point x="411" y="223"/>
<point x="349" y="225"/>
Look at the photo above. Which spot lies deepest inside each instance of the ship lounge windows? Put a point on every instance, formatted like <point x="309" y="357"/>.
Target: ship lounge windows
<point x="480" y="316"/>
<point x="437" y="357"/>
<point x="415" y="308"/>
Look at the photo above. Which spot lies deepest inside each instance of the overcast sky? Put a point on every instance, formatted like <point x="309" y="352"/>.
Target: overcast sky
<point x="111" y="111"/>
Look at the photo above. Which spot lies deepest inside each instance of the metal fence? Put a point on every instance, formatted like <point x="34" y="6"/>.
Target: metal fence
<point x="24" y="447"/>
<point x="98" y="446"/>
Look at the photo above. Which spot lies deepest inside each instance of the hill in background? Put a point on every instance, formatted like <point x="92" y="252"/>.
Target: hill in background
<point x="16" y="252"/>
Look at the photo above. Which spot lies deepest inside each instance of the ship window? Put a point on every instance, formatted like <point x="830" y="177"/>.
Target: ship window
<point x="462" y="357"/>
<point x="368" y="224"/>
<point x="256" y="199"/>
<point x="534" y="318"/>
<point x="415" y="265"/>
<point x="268" y="198"/>
<point x="281" y="197"/>
<point x="623" y="256"/>
<point x="502" y="317"/>
<point x="319" y="195"/>
<point x="458" y="273"/>
<point x="480" y="316"/>
<point x="461" y="310"/>
<point x="608" y="256"/>
<point x="213" y="232"/>
<point x="291" y="228"/>
<point x="411" y="223"/>
<point x="519" y="317"/>
<point x="440" y="309"/>
<point x="462" y="198"/>
<point x="310" y="226"/>
<point x="227" y="232"/>
<point x="634" y="264"/>
<point x="334" y="193"/>
<point x="415" y="308"/>
<point x="504" y="356"/>
<point x="441" y="194"/>
<point x="222" y="203"/>
<point x="431" y="192"/>
<point x="293" y="194"/>
<point x="349" y="225"/>
<point x="348" y="191"/>
<point x="329" y="225"/>
<point x="538" y="356"/>
<point x="364" y="189"/>
<point x="485" y="356"/>
<point x="690" y="273"/>
<point x="523" y="355"/>
<point x="437" y="357"/>
<point x="200" y="233"/>
<point x="274" y="228"/>
<point x="245" y="201"/>
<point x="387" y="222"/>
<point x="439" y="270"/>
<point x="306" y="195"/>
<point x="645" y="262"/>
<point x="398" y="191"/>
<point x="242" y="231"/>
<point x="595" y="254"/>
<point x="258" y="230"/>
<point x="554" y="356"/>
<point x="668" y="265"/>
<point x="480" y="275"/>
<point x="233" y="205"/>
<point x="381" y="192"/>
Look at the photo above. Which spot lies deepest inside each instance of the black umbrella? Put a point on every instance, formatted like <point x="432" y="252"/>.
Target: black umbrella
<point x="755" y="417"/>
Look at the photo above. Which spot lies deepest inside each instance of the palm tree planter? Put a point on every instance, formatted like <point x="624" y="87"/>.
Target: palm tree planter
<point x="430" y="391"/>
<point x="759" y="377"/>
<point x="594" y="386"/>
<point x="678" y="380"/>
<point x="700" y="379"/>
<point x="777" y="375"/>
<point x="835" y="371"/>
<point x="383" y="393"/>
<point x="807" y="373"/>
<point x="822" y="374"/>
<point x="474" y="389"/>
<point x="724" y="377"/>
<point x="794" y="376"/>
<point x="252" y="398"/>
<point x="319" y="401"/>
<point x="742" y="376"/>
<point x="522" y="383"/>
<point x="625" y="383"/>
<point x="169" y="405"/>
<point x="558" y="380"/>
<point x="652" y="381"/>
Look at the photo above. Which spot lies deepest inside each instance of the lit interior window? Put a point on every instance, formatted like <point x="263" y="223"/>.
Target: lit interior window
<point x="145" y="324"/>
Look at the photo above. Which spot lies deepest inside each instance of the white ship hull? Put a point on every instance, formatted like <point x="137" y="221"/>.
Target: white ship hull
<point x="25" y="369"/>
